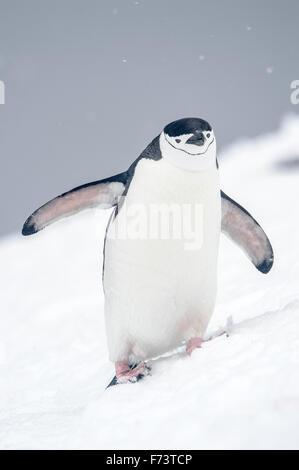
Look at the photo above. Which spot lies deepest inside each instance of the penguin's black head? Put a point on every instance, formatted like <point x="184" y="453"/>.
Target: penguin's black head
<point x="187" y="126"/>
<point x="190" y="135"/>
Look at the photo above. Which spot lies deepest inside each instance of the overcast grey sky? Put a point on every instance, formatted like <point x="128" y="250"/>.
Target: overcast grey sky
<point x="90" y="82"/>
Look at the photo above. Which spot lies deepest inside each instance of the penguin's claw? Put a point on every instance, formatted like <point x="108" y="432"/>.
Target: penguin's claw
<point x="128" y="375"/>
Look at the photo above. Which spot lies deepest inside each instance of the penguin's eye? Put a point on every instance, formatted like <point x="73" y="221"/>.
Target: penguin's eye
<point x="178" y="141"/>
<point x="208" y="135"/>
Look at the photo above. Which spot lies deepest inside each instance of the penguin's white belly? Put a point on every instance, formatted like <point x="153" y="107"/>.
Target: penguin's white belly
<point x="161" y="291"/>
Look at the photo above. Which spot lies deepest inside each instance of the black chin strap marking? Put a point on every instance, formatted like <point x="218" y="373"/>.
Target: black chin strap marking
<point x="185" y="151"/>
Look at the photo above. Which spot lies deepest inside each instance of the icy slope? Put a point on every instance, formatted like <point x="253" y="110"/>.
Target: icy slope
<point x="236" y="392"/>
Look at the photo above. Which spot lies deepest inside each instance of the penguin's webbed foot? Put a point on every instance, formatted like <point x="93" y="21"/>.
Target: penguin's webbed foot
<point x="126" y="374"/>
<point x="195" y="343"/>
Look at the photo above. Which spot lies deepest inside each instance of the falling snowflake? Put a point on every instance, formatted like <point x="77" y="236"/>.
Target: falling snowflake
<point x="124" y="60"/>
<point x="114" y="11"/>
<point x="201" y="57"/>
<point x="249" y="28"/>
<point x="269" y="70"/>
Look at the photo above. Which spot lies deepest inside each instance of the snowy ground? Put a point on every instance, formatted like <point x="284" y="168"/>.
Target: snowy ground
<point x="236" y="392"/>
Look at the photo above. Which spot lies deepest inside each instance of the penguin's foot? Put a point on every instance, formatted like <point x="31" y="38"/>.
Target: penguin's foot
<point x="194" y="343"/>
<point x="126" y="374"/>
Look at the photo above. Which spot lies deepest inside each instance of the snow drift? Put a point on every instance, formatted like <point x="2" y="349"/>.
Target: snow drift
<point x="236" y="392"/>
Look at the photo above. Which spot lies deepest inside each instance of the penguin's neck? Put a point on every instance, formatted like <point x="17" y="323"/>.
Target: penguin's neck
<point x="162" y="182"/>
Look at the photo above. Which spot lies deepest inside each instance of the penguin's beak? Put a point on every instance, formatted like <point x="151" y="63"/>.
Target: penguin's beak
<point x="196" y="139"/>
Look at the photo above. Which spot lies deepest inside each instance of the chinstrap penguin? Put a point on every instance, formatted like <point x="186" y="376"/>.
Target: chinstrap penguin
<point x="160" y="290"/>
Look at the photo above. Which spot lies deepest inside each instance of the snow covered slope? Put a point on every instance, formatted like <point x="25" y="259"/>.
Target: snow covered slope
<point x="236" y="392"/>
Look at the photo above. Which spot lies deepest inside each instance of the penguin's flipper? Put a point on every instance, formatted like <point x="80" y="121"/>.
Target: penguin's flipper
<point x="103" y="193"/>
<point x="244" y="230"/>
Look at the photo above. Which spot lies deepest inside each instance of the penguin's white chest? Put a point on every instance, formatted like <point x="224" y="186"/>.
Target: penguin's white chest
<point x="161" y="252"/>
